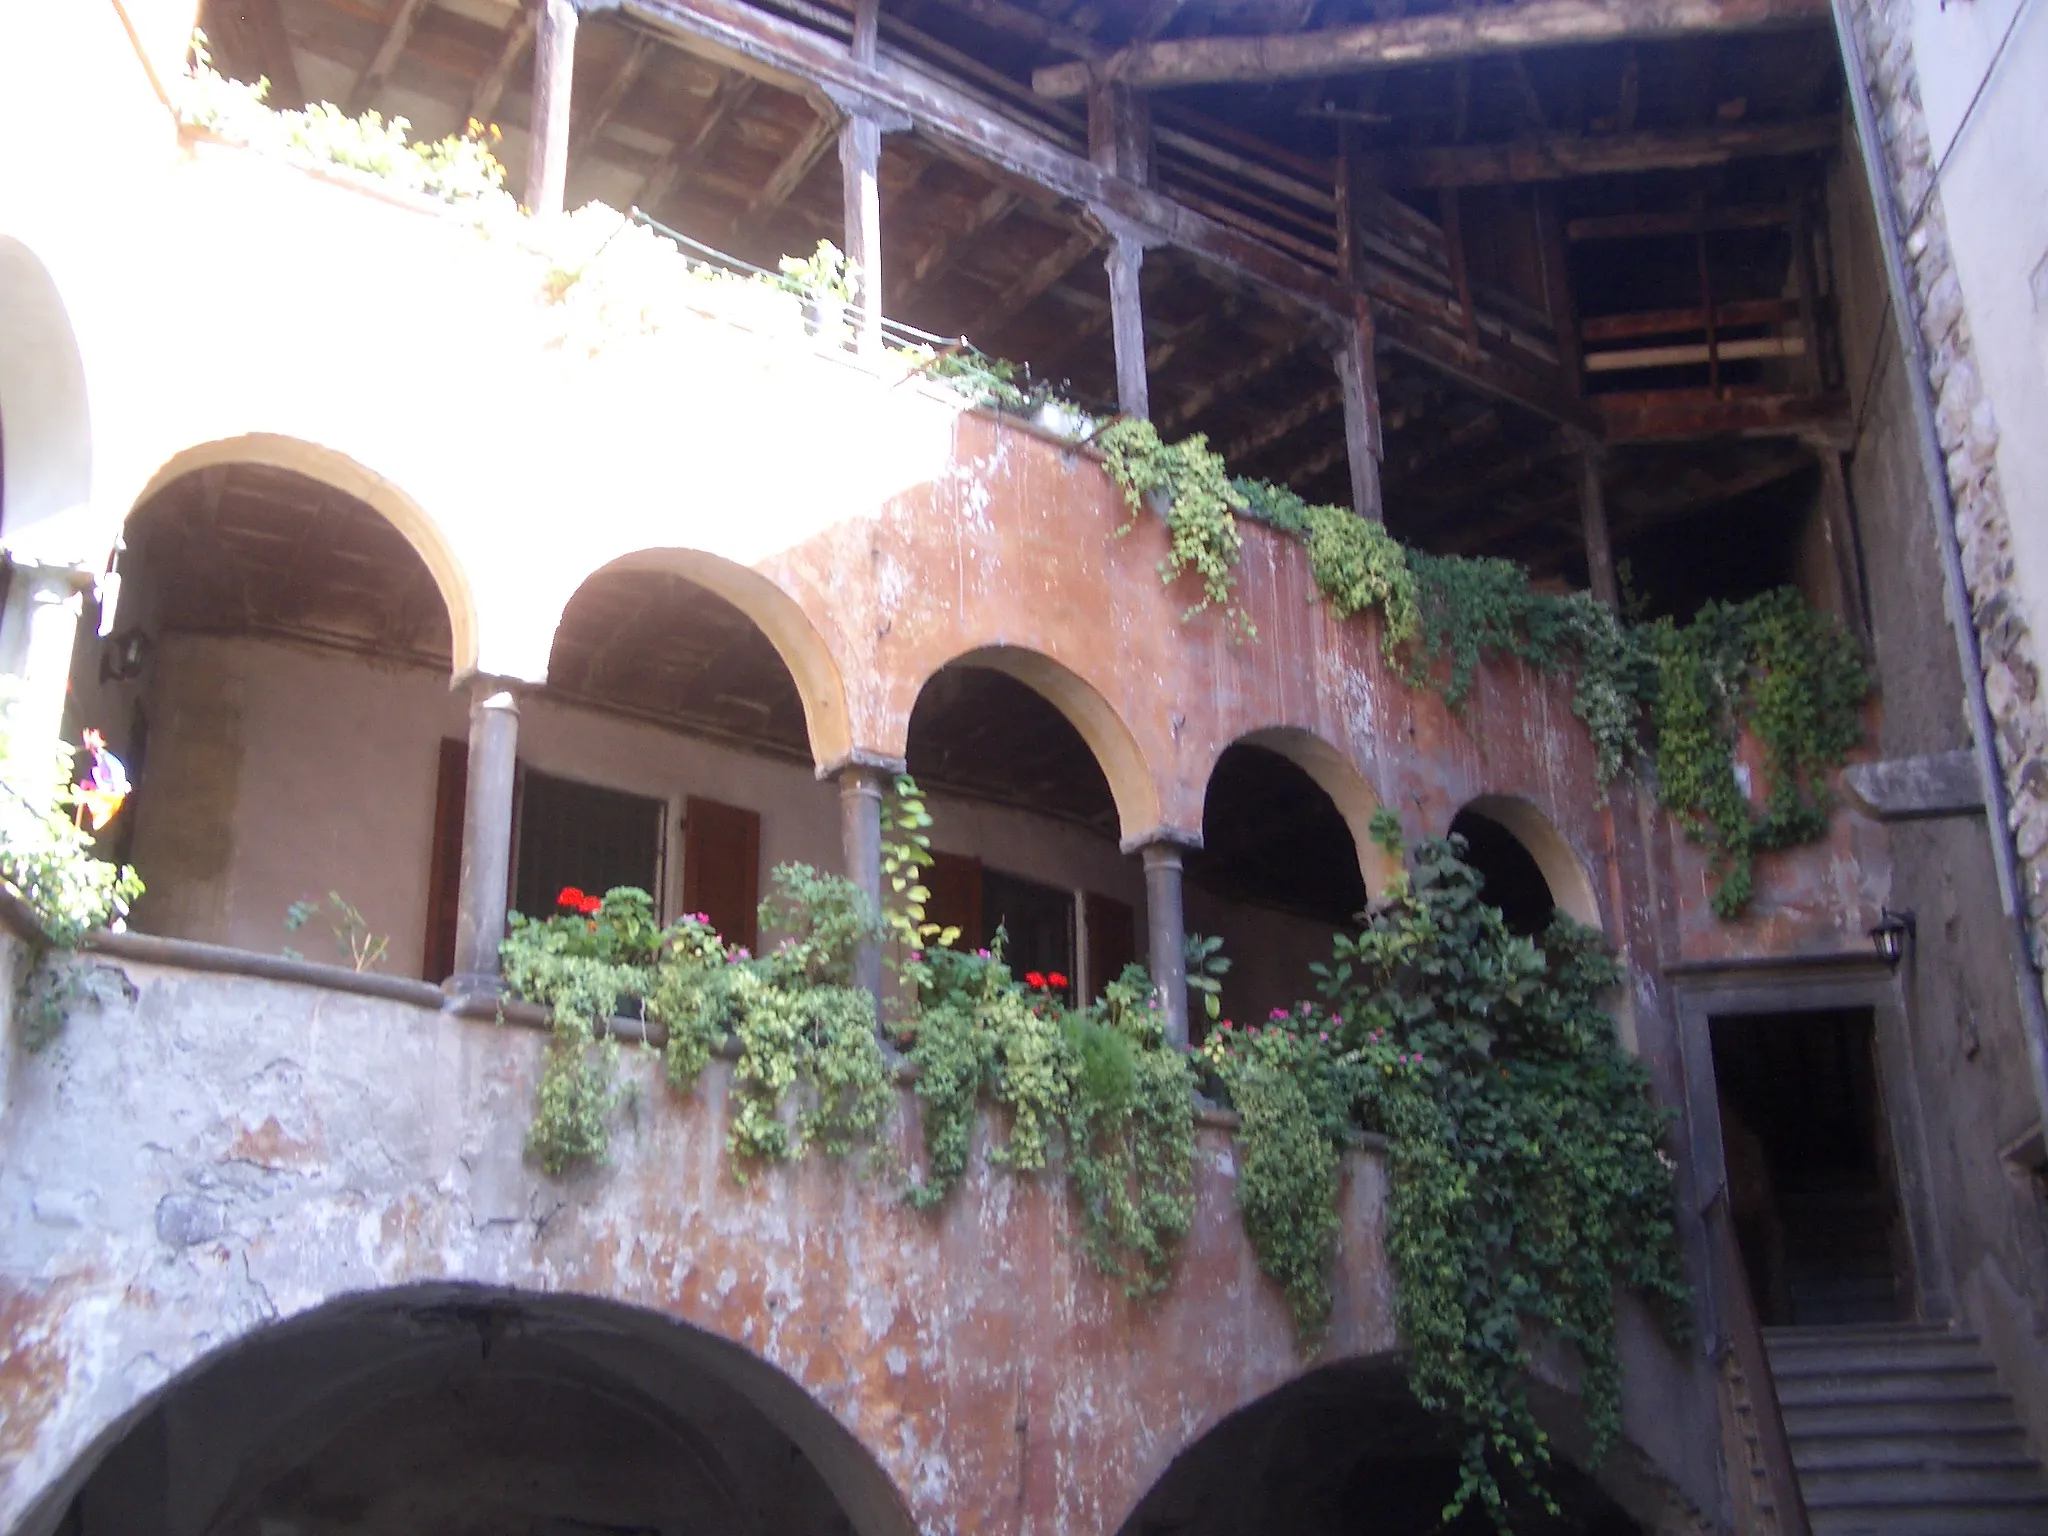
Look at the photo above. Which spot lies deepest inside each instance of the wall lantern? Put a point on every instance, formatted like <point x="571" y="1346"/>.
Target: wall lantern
<point x="124" y="655"/>
<point x="1894" y="930"/>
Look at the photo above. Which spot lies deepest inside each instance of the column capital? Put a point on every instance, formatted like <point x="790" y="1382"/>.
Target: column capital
<point x="861" y="758"/>
<point x="1166" y="840"/>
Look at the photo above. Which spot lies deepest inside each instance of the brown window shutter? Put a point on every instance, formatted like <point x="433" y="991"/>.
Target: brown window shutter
<point x="721" y="868"/>
<point x="955" y="883"/>
<point x="1112" y="940"/>
<point x="444" y="870"/>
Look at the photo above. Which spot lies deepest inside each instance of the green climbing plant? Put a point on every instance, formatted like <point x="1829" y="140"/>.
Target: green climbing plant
<point x="906" y="855"/>
<point x="1099" y="1081"/>
<point x="1793" y="678"/>
<point x="1196" y="497"/>
<point x="1526" y="1169"/>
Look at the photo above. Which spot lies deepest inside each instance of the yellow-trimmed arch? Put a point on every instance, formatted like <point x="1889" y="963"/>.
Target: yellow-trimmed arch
<point x="820" y="682"/>
<point x="1571" y="885"/>
<point x="341" y="473"/>
<point x="1115" y="746"/>
<point x="1341" y="779"/>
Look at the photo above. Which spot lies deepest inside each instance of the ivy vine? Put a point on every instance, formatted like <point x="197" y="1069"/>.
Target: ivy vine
<point x="1527" y="1177"/>
<point x="1195" y="497"/>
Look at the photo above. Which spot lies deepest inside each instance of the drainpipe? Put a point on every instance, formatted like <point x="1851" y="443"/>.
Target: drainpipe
<point x="1912" y="352"/>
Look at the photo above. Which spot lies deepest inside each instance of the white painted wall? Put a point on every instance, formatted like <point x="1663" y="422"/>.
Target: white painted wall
<point x="1983" y="67"/>
<point x="277" y="772"/>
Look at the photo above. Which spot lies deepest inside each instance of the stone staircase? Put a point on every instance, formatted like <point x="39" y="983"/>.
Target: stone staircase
<point x="1902" y="1429"/>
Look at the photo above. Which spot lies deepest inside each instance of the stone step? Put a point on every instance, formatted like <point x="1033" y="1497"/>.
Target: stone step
<point x="1927" y="1520"/>
<point x="1820" y="1356"/>
<point x="1889" y="1383"/>
<point x="2016" y="1485"/>
<point x="1911" y="1415"/>
<point x="1838" y="1333"/>
<point x="1991" y="1444"/>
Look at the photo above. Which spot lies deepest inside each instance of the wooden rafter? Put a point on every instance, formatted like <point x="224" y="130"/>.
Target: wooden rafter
<point x="396" y="33"/>
<point x="1221" y="385"/>
<point x="1560" y="156"/>
<point x="732" y="94"/>
<point x="273" y="46"/>
<point x="933" y="261"/>
<point x="490" y="90"/>
<point x="1451" y="34"/>
<point x="1284" y="424"/>
<point x="601" y="111"/>
<point x="1033" y="281"/>
<point x="801" y="159"/>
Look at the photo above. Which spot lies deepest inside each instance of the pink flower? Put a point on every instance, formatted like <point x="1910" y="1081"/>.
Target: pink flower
<point x="1277" y="1013"/>
<point x="1324" y="1035"/>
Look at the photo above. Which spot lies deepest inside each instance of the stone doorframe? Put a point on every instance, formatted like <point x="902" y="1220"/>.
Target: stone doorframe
<point x="1708" y="989"/>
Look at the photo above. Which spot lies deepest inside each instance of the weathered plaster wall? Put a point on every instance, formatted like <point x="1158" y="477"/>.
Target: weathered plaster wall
<point x="229" y="1153"/>
<point x="1971" y="1076"/>
<point x="1976" y="240"/>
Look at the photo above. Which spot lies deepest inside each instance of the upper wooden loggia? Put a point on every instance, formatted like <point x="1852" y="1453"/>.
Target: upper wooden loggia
<point x="1452" y="34"/>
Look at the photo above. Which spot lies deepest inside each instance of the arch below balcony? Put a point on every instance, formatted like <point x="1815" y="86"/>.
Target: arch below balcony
<point x="805" y="652"/>
<point x="45" y="418"/>
<point x="351" y="478"/>
<point x="1571" y="885"/>
<point x="477" y="1394"/>
<point x="1108" y="736"/>
<point x="1349" y="790"/>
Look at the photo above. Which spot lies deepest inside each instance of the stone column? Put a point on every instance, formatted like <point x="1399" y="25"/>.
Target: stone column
<point x="1125" y="260"/>
<point x="486" y="835"/>
<point x="860" y="838"/>
<point x="860" y="160"/>
<point x="1593" y="518"/>
<point x="38" y="634"/>
<point x="1166" y="936"/>
<point x="554" y="68"/>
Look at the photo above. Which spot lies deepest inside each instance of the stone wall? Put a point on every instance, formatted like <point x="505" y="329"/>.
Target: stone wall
<point x="1969" y="432"/>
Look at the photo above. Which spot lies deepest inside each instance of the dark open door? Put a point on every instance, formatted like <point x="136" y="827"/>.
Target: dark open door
<point x="721" y="868"/>
<point x="1112" y="941"/>
<point x="444" y="869"/>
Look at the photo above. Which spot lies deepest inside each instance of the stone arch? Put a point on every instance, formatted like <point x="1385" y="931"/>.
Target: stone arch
<point x="45" y="419"/>
<point x="1111" y="740"/>
<point x="346" y="475"/>
<point x="273" y="1413"/>
<point x="1348" y="788"/>
<point x="805" y="652"/>
<point x="1571" y="885"/>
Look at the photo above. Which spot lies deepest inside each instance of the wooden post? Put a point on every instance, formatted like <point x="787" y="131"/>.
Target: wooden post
<point x="1359" y="378"/>
<point x="1120" y="131"/>
<point x="860" y="839"/>
<point x="1125" y="259"/>
<point x="1166" y="936"/>
<point x="1838" y="520"/>
<point x="867" y="30"/>
<point x="1557" y="288"/>
<point x="1593" y="518"/>
<point x="860" y="161"/>
<point x="554" y="69"/>
<point x="486" y="835"/>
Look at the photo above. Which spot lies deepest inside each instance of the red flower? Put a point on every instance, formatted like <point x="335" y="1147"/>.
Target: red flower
<point x="1034" y="979"/>
<point x="571" y="897"/>
<point x="1056" y="981"/>
<point x="591" y="905"/>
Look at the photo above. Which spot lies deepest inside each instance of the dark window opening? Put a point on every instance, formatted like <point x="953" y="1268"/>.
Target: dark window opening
<point x="576" y="834"/>
<point x="1272" y="836"/>
<point x="1734" y="550"/>
<point x="984" y="734"/>
<point x="1037" y="923"/>
<point x="1810" y="1181"/>
<point x="722" y="868"/>
<point x="1511" y="878"/>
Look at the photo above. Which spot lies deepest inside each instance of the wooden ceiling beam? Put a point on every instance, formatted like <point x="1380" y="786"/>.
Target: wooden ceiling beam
<point x="273" y="48"/>
<point x="490" y="90"/>
<point x="1445" y="35"/>
<point x="1034" y="281"/>
<point x="1256" y="367"/>
<point x="937" y="257"/>
<point x="1285" y="424"/>
<point x="601" y="111"/>
<point x="1001" y="16"/>
<point x="789" y="174"/>
<point x="680" y="162"/>
<point x="1561" y="156"/>
<point x="396" y="34"/>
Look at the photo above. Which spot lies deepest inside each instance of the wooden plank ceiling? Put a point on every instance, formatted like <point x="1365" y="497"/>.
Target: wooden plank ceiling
<point x="746" y="162"/>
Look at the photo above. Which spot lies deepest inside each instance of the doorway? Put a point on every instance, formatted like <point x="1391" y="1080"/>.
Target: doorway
<point x="1812" y="1183"/>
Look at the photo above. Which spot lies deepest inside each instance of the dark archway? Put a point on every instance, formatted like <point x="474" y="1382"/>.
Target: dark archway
<point x="458" y="1411"/>
<point x="1340" y="1451"/>
<point x="1512" y="879"/>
